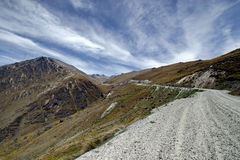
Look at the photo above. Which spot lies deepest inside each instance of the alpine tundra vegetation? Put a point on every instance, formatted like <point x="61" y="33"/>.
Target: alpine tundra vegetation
<point x="119" y="80"/>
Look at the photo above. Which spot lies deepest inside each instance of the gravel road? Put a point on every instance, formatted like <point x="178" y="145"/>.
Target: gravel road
<point x="206" y="126"/>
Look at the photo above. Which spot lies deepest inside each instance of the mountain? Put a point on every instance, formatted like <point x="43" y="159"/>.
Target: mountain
<point x="39" y="91"/>
<point x="221" y="73"/>
<point x="51" y="110"/>
<point x="100" y="78"/>
<point x="125" y="77"/>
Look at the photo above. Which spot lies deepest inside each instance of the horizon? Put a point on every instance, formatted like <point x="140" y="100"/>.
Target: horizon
<point x="103" y="37"/>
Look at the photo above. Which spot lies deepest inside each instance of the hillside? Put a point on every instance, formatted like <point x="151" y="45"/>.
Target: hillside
<point x="24" y="83"/>
<point x="203" y="126"/>
<point x="222" y="73"/>
<point x="124" y="77"/>
<point x="50" y="110"/>
<point x="36" y="93"/>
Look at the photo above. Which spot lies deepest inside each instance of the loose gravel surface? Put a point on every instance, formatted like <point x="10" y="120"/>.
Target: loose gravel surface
<point x="205" y="126"/>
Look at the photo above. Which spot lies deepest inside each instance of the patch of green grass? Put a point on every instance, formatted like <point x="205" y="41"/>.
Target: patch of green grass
<point x="136" y="102"/>
<point x="187" y="93"/>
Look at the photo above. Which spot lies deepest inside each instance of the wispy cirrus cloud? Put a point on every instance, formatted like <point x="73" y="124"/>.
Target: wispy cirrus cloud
<point x="82" y="4"/>
<point x="31" y="22"/>
<point x="118" y="37"/>
<point x="30" y="19"/>
<point x="35" y="49"/>
<point x="7" y="59"/>
<point x="182" y="31"/>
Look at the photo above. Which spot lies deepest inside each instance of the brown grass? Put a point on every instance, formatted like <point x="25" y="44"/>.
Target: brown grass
<point x="229" y="63"/>
<point x="134" y="103"/>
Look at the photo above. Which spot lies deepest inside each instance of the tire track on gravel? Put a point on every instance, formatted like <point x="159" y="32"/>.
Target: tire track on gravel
<point x="203" y="127"/>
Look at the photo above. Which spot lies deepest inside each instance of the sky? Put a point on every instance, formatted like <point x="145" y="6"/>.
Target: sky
<point x="116" y="36"/>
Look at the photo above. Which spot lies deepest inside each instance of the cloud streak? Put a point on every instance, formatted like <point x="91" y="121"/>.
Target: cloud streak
<point x="118" y="37"/>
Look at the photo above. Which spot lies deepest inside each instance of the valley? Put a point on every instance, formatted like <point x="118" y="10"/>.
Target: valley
<point x="50" y="110"/>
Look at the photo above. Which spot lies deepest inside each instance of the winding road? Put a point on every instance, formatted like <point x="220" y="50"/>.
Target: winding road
<point x="205" y="126"/>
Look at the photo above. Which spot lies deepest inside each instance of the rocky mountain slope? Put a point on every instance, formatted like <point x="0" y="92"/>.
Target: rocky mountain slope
<point x="221" y="73"/>
<point x="37" y="92"/>
<point x="50" y="110"/>
<point x="25" y="83"/>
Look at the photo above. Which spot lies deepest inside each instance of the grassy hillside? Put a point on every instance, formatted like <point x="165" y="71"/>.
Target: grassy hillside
<point x="50" y="111"/>
<point x="133" y="103"/>
<point x="72" y="136"/>
<point x="125" y="77"/>
<point x="37" y="95"/>
<point x="228" y="64"/>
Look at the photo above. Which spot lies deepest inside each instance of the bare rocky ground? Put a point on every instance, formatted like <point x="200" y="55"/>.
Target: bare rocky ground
<point x="205" y="126"/>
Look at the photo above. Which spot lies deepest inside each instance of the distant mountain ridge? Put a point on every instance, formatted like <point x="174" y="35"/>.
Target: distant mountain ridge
<point x="221" y="73"/>
<point x="100" y="77"/>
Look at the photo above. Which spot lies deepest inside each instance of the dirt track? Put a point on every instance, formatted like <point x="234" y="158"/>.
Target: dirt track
<point x="206" y="126"/>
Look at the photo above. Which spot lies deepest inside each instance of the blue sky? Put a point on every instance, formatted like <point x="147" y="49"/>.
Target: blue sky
<point x="112" y="36"/>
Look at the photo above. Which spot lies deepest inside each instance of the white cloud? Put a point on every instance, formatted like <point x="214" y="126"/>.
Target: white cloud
<point x="81" y="4"/>
<point x="157" y="33"/>
<point x="184" y="32"/>
<point x="7" y="59"/>
<point x="37" y="50"/>
<point x="33" y="48"/>
<point x="230" y="42"/>
<point x="31" y="19"/>
<point x="199" y="26"/>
